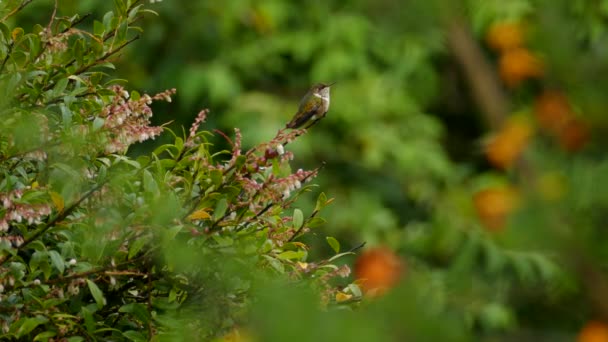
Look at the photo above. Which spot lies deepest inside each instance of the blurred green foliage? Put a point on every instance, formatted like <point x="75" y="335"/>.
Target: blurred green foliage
<point x="402" y="150"/>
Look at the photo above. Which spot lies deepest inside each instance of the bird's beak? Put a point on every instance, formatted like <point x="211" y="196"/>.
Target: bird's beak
<point x="329" y="85"/>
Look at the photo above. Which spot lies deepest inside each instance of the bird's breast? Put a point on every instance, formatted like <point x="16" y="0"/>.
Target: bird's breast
<point x="324" y="101"/>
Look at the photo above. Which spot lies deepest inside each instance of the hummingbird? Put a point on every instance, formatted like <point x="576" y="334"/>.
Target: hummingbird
<point x="313" y="106"/>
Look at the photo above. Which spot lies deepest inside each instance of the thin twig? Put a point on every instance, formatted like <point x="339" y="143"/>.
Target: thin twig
<point x="106" y="56"/>
<point x="105" y="270"/>
<point x="19" y="8"/>
<point x="52" y="17"/>
<point x="76" y="22"/>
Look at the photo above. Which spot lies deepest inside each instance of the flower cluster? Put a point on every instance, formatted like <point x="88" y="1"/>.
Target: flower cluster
<point x="200" y="118"/>
<point x="128" y="120"/>
<point x="260" y="158"/>
<point x="20" y="212"/>
<point x="55" y="43"/>
<point x="294" y="181"/>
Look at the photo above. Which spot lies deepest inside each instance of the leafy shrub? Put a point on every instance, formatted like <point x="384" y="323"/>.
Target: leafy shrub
<point x="98" y="245"/>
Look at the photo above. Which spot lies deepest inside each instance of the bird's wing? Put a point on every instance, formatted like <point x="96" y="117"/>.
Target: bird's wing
<point x="303" y="116"/>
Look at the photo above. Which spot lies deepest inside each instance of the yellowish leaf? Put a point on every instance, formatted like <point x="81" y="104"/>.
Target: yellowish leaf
<point x="57" y="201"/>
<point x="17" y="33"/>
<point x="342" y="297"/>
<point x="300" y="244"/>
<point x="35" y="185"/>
<point x="200" y="214"/>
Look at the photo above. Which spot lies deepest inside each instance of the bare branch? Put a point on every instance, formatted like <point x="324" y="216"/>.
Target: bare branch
<point x="486" y="87"/>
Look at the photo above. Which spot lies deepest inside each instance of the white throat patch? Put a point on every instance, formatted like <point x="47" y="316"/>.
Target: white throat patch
<point x="326" y="98"/>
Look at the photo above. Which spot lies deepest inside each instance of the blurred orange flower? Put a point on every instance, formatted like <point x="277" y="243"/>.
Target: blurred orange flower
<point x="593" y="331"/>
<point x="555" y="115"/>
<point x="494" y="205"/>
<point x="503" y="36"/>
<point x="505" y="147"/>
<point x="552" y="110"/>
<point x="518" y="65"/>
<point x="378" y="270"/>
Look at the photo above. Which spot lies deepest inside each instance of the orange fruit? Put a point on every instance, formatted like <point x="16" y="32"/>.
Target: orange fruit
<point x="503" y="36"/>
<point x="593" y="331"/>
<point x="505" y="147"/>
<point x="552" y="110"/>
<point x="378" y="270"/>
<point x="519" y="64"/>
<point x="555" y="115"/>
<point x="494" y="205"/>
<point x="574" y="136"/>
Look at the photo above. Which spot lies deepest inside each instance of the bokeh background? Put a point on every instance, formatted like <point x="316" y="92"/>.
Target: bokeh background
<point x="467" y="137"/>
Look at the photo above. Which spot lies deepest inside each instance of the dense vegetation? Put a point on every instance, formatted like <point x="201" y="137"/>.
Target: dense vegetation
<point x="464" y="145"/>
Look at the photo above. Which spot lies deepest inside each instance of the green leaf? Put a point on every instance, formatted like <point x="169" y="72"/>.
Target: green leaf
<point x="149" y="183"/>
<point x="315" y="222"/>
<point x="240" y="161"/>
<point x="98" y="28"/>
<point x="57" y="261"/>
<point x="121" y="32"/>
<point x="138" y="310"/>
<point x="179" y="143"/>
<point x="275" y="263"/>
<point x="321" y="200"/>
<point x="134" y="336"/>
<point x="172" y="295"/>
<point x="45" y="266"/>
<point x="6" y="33"/>
<point x="107" y="20"/>
<point x="98" y="123"/>
<point x="133" y="12"/>
<point x="136" y="246"/>
<point x="60" y="87"/>
<point x="292" y="255"/>
<point x="333" y="243"/>
<point x="121" y="7"/>
<point x="36" y="259"/>
<point x="223" y="241"/>
<point x="49" y="303"/>
<point x="89" y="321"/>
<point x="169" y="234"/>
<point x="298" y="218"/>
<point x="44" y="336"/>
<point x="216" y="177"/>
<point x="75" y="339"/>
<point x="220" y="209"/>
<point x="30" y="324"/>
<point x="106" y="65"/>
<point x="97" y="294"/>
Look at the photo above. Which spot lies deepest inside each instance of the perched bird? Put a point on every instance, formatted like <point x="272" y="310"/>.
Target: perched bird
<point x="313" y="106"/>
